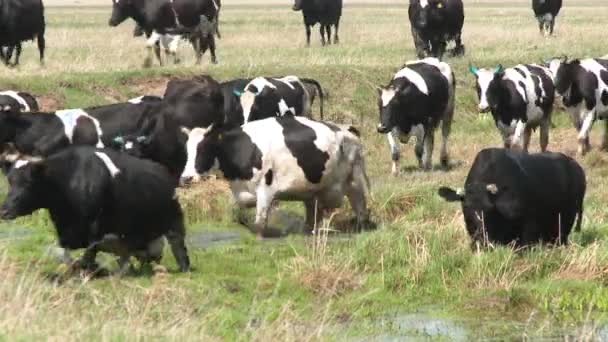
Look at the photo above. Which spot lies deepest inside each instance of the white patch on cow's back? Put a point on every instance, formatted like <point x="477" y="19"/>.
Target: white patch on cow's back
<point x="260" y="83"/>
<point x="444" y="68"/>
<point x="109" y="163"/>
<point x="21" y="163"/>
<point x="387" y="96"/>
<point x="18" y="98"/>
<point x="414" y="77"/>
<point x="514" y="76"/>
<point x="69" y="118"/>
<point x="288" y="80"/>
<point x="136" y="100"/>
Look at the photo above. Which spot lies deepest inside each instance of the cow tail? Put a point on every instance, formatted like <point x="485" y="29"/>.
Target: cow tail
<point x="579" y="220"/>
<point x="319" y="90"/>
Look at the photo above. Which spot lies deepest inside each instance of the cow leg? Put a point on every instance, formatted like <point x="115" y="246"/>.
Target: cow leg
<point x="322" y="31"/>
<point x="393" y="142"/>
<point x="544" y="134"/>
<point x="211" y="43"/>
<point x="17" y="53"/>
<point x="314" y="215"/>
<point x="336" y="38"/>
<point x="520" y="133"/>
<point x="176" y="238"/>
<point x="173" y="47"/>
<point x="427" y="154"/>
<point x="459" y="48"/>
<point x="264" y="198"/>
<point x="328" y="31"/>
<point x="604" y="142"/>
<point x="446" y="128"/>
<point x="9" y="55"/>
<point x="551" y="26"/>
<point x="41" y="47"/>
<point x="197" y="46"/>
<point x="308" y="35"/>
<point x="526" y="136"/>
<point x="420" y="44"/>
<point x="356" y="193"/>
<point x="153" y="43"/>
<point x="583" y="136"/>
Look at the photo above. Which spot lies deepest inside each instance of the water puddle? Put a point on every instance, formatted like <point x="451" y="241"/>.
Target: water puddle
<point x="209" y="239"/>
<point x="14" y="233"/>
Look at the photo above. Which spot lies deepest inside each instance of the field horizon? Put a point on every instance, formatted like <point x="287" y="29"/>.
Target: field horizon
<point x="414" y="278"/>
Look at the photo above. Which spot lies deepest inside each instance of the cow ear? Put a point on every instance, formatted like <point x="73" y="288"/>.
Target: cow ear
<point x="237" y="93"/>
<point x="450" y="195"/>
<point x="185" y="130"/>
<point x="564" y="59"/>
<point x="473" y="69"/>
<point x="499" y="69"/>
<point x="380" y="89"/>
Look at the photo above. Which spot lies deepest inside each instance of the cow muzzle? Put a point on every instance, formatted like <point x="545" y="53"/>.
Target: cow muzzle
<point x="483" y="109"/>
<point x="383" y="129"/>
<point x="6" y="214"/>
<point x="186" y="181"/>
<point x="295" y="8"/>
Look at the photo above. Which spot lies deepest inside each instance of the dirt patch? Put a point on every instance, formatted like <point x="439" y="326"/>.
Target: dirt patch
<point x="49" y="103"/>
<point x="111" y="95"/>
<point x="151" y="86"/>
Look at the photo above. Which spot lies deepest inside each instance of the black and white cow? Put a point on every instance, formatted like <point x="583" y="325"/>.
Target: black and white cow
<point x="583" y="86"/>
<point x="434" y="23"/>
<point x="21" y="20"/>
<point x="546" y="11"/>
<point x="417" y="99"/>
<point x="265" y="97"/>
<point x="284" y="158"/>
<point x="324" y="12"/>
<point x="167" y="20"/>
<point x="13" y="102"/>
<point x="46" y="133"/>
<point x="515" y="197"/>
<point x="101" y="200"/>
<point x="520" y="100"/>
<point x="232" y="91"/>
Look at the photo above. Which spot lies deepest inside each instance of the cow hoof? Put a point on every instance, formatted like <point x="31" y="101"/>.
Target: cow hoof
<point x="445" y="163"/>
<point x="214" y="61"/>
<point x="147" y="64"/>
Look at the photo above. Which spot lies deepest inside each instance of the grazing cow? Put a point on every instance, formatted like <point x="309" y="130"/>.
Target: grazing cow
<point x="167" y="20"/>
<point x="324" y="12"/>
<point x="418" y="98"/>
<point x="20" y="20"/>
<point x="520" y="99"/>
<point x="284" y="158"/>
<point x="98" y="199"/>
<point x="545" y="12"/>
<point x="264" y="97"/>
<point x="514" y="197"/>
<point x="583" y="86"/>
<point x="13" y="102"/>
<point x="46" y="133"/>
<point x="434" y="23"/>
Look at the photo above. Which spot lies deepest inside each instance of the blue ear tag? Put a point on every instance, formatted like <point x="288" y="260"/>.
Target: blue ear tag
<point x="119" y="140"/>
<point x="237" y="93"/>
<point x="141" y="138"/>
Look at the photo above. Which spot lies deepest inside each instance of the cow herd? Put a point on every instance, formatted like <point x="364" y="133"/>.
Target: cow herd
<point x="108" y="174"/>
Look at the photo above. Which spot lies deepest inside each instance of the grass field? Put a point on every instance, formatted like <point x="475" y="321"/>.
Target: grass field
<point x="415" y="277"/>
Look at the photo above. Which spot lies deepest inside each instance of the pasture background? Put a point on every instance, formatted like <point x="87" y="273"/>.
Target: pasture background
<point x="417" y="264"/>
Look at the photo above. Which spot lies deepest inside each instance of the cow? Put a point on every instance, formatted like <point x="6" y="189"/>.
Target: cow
<point x="514" y="197"/>
<point x="13" y="102"/>
<point x="545" y="12"/>
<point x="264" y="97"/>
<point x="232" y="91"/>
<point x="434" y="23"/>
<point x="287" y="159"/>
<point x="45" y="133"/>
<point x="165" y="19"/>
<point x="583" y="86"/>
<point x="99" y="200"/>
<point x="21" y="20"/>
<point x="195" y="103"/>
<point x="520" y="100"/>
<point x="417" y="99"/>
<point x="324" y="12"/>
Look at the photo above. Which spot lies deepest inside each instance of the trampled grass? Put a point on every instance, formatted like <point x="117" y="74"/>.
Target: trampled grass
<point x="347" y="285"/>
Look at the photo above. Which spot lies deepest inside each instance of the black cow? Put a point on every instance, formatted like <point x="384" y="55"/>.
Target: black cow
<point x="164" y="21"/>
<point x="20" y="20"/>
<point x="46" y="133"/>
<point x="583" y="86"/>
<point x="434" y="23"/>
<point x="324" y="12"/>
<point x="264" y="97"/>
<point x="13" y="102"/>
<point x="418" y="98"/>
<point x="284" y="158"/>
<point x="98" y="199"/>
<point x="520" y="99"/>
<point x="546" y="11"/>
<point x="514" y="197"/>
<point x="195" y="103"/>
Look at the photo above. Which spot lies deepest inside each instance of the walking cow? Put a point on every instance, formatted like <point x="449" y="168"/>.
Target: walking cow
<point x="324" y="12"/>
<point x="545" y="12"/>
<point x="20" y="20"/>
<point x="515" y="197"/>
<point x="583" y="85"/>
<point x="520" y="99"/>
<point x="418" y="98"/>
<point x="434" y="23"/>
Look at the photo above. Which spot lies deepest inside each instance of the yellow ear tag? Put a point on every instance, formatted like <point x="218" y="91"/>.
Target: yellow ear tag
<point x="219" y="136"/>
<point x="440" y="5"/>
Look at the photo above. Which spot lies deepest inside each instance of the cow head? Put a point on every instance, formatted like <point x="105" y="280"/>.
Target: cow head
<point x="121" y="11"/>
<point x="395" y="102"/>
<point x="487" y="85"/>
<point x="297" y="5"/>
<point x="11" y="122"/>
<point x="25" y="176"/>
<point x="427" y="13"/>
<point x="202" y="148"/>
<point x="477" y="196"/>
<point x="563" y="74"/>
<point x="258" y="103"/>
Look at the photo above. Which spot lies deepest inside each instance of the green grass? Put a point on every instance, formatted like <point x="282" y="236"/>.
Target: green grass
<point x="419" y="261"/>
